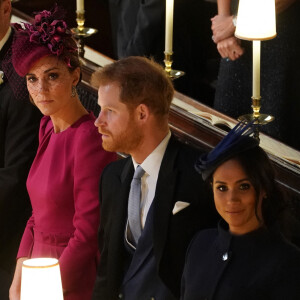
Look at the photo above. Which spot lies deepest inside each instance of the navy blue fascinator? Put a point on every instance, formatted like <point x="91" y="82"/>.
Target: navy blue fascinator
<point x="237" y="140"/>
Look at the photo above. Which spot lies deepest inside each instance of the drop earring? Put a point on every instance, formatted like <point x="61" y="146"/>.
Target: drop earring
<point x="74" y="91"/>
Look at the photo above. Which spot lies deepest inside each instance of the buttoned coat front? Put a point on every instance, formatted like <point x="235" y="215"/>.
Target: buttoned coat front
<point x="259" y="265"/>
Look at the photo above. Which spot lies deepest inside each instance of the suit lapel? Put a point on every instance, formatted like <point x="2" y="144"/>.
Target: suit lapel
<point x="121" y="192"/>
<point x="127" y="173"/>
<point x="125" y="179"/>
<point x="164" y="197"/>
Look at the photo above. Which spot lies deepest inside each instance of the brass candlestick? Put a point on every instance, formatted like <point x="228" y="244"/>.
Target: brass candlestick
<point x="256" y="116"/>
<point x="82" y="32"/>
<point x="173" y="74"/>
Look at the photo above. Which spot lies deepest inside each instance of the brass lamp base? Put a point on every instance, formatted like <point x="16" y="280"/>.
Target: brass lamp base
<point x="82" y="32"/>
<point x="256" y="117"/>
<point x="173" y="74"/>
<point x="262" y="119"/>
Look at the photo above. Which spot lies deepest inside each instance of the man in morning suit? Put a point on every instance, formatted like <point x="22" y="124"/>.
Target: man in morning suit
<point x="19" y="123"/>
<point x="143" y="257"/>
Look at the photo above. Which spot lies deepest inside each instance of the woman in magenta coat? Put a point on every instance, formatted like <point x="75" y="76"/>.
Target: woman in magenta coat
<point x="63" y="180"/>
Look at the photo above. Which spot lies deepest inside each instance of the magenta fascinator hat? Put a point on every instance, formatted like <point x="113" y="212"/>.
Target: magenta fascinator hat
<point x="47" y="35"/>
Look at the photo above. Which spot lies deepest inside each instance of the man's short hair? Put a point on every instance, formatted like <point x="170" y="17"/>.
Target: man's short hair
<point x="141" y="81"/>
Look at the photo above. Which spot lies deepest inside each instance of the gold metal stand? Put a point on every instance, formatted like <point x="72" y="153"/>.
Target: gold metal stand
<point x="82" y="32"/>
<point x="173" y="74"/>
<point x="256" y="116"/>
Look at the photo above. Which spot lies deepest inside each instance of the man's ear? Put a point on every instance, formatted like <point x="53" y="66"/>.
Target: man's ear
<point x="143" y="112"/>
<point x="7" y="8"/>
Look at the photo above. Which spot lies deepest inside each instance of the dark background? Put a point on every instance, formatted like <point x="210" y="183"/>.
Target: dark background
<point x="194" y="51"/>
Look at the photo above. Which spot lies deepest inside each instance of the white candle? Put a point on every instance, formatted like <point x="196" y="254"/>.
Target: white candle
<point x="256" y="69"/>
<point x="80" y="6"/>
<point x="169" y="26"/>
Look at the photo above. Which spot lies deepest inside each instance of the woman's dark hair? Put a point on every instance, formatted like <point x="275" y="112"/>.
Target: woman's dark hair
<point x="261" y="174"/>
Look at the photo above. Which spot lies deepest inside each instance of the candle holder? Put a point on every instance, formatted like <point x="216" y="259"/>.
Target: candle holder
<point x="256" y="117"/>
<point x="82" y="32"/>
<point x="173" y="74"/>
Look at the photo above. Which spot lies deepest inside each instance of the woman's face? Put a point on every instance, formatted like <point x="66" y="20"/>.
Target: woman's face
<point x="235" y="197"/>
<point x="49" y="83"/>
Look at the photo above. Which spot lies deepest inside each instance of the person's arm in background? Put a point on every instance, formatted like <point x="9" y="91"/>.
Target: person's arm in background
<point x="230" y="48"/>
<point x="223" y="32"/>
<point x="149" y="23"/>
<point x="222" y="24"/>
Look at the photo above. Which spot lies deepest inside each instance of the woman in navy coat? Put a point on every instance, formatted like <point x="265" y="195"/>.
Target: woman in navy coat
<point x="246" y="257"/>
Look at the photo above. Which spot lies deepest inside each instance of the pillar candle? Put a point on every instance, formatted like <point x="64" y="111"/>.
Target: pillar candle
<point x="256" y="69"/>
<point x="169" y="25"/>
<point x="80" y="6"/>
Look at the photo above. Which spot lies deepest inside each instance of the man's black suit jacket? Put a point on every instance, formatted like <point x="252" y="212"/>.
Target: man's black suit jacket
<point x="177" y="181"/>
<point x="19" y="124"/>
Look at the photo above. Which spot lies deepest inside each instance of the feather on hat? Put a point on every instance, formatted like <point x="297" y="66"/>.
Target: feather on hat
<point x="236" y="141"/>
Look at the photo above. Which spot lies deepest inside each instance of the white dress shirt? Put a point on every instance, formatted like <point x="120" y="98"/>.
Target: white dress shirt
<point x="151" y="165"/>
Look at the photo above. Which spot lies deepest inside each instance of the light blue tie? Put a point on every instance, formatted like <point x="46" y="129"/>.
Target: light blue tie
<point x="134" y="201"/>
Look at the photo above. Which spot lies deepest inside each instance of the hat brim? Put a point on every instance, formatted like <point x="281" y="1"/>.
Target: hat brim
<point x="206" y="166"/>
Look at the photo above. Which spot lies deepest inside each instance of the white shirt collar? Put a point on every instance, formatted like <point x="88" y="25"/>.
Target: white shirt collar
<point x="152" y="163"/>
<point x="5" y="38"/>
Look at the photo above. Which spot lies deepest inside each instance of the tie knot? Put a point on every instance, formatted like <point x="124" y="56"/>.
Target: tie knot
<point x="139" y="172"/>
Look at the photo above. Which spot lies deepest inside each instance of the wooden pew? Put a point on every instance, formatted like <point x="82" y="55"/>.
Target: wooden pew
<point x="194" y="124"/>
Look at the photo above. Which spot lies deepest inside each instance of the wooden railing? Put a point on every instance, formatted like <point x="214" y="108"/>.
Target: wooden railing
<point x="188" y="124"/>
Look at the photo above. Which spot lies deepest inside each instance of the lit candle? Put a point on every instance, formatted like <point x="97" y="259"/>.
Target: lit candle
<point x="169" y="26"/>
<point x="80" y="6"/>
<point x="256" y="70"/>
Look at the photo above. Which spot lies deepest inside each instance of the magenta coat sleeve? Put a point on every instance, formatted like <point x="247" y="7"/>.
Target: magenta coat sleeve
<point x="27" y="239"/>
